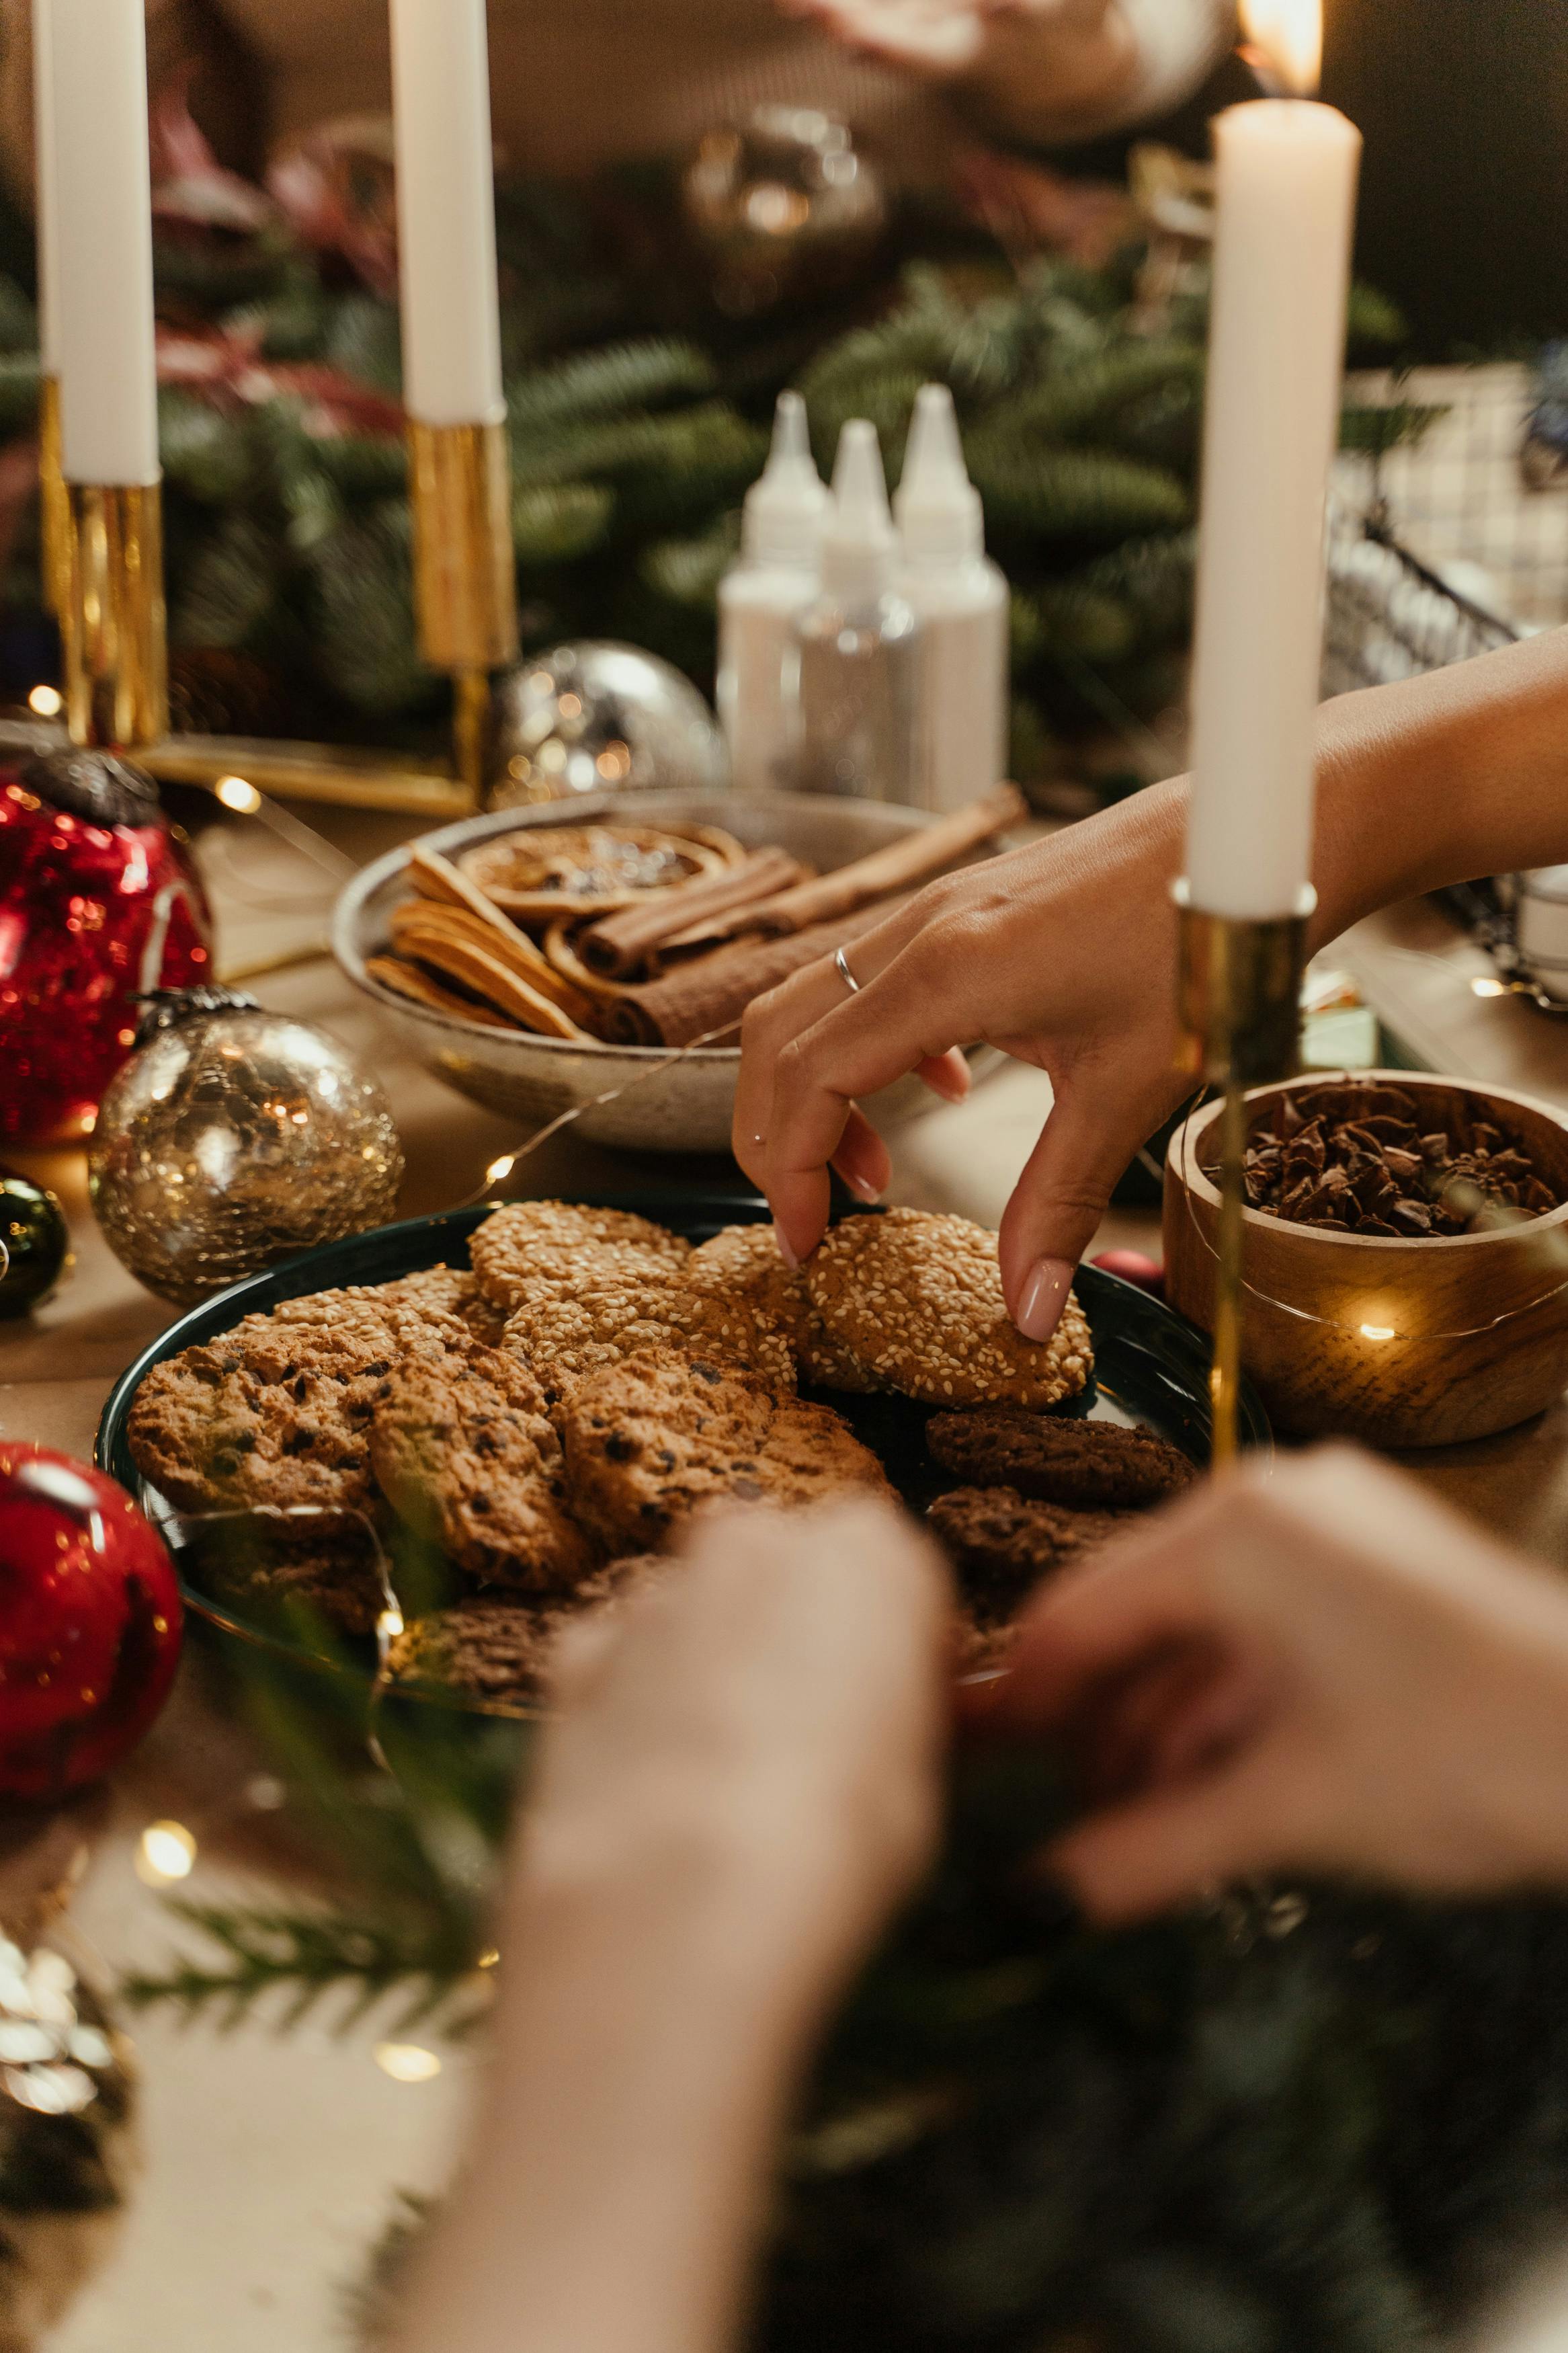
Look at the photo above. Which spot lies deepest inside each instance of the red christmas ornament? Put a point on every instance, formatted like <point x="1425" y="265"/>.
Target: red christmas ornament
<point x="90" y="1622"/>
<point x="98" y="904"/>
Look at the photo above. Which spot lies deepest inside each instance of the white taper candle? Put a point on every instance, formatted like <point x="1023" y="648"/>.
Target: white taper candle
<point x="1287" y="184"/>
<point x="98" y="206"/>
<point x="446" y="212"/>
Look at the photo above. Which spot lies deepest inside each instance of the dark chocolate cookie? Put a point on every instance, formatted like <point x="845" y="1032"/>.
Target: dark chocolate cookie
<point x="1087" y="1465"/>
<point x="1001" y="1546"/>
<point x="503" y="1651"/>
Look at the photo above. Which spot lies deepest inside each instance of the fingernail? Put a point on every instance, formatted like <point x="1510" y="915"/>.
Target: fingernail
<point x="1042" y="1297"/>
<point x="786" y="1252"/>
<point x="861" y="1187"/>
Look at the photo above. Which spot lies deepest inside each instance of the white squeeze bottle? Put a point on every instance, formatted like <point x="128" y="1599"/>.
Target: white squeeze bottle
<point x="961" y="599"/>
<point x="857" y="647"/>
<point x="759" y="596"/>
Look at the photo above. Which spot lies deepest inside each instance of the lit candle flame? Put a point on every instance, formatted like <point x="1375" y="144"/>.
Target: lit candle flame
<point x="1283" y="43"/>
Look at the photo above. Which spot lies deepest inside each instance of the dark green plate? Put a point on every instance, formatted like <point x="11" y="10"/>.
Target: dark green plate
<point x="1151" y="1365"/>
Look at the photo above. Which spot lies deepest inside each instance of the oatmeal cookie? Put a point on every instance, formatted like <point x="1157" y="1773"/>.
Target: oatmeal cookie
<point x="1001" y="1546"/>
<point x="652" y="1440"/>
<point x="529" y="1245"/>
<point x="1087" y="1465"/>
<point x="462" y="1450"/>
<point x="744" y="1262"/>
<point x="277" y="1412"/>
<point x="449" y="1291"/>
<point x="566" y="1336"/>
<point x="917" y="1301"/>
<point x="504" y="1651"/>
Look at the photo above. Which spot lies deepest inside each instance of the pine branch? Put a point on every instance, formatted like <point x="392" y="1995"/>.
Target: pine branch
<point x="262" y="1950"/>
<point x="230" y="585"/>
<point x="210" y="455"/>
<point x="1074" y="403"/>
<point x="1068" y="494"/>
<point x="1373" y="431"/>
<point x="556" y="522"/>
<point x="688" y="570"/>
<point x="367" y="651"/>
<point x="364" y="339"/>
<point x="606" y="384"/>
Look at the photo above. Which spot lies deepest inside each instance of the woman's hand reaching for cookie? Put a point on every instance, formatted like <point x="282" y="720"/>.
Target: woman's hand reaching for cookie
<point x="1063" y="954"/>
<point x="1314" y="1670"/>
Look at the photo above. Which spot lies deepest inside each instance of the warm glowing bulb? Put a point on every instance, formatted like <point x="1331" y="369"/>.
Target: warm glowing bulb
<point x="497" y="1170"/>
<point x="1489" y="988"/>
<point x="406" y="2062"/>
<point x="47" y="702"/>
<point x="1285" y="39"/>
<point x="166" y="1851"/>
<point x="489" y="1959"/>
<point x="235" y="793"/>
<point x="389" y="1625"/>
<point x="1378" y="1332"/>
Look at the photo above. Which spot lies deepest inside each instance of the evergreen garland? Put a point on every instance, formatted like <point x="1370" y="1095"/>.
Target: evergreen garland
<point x="638" y="417"/>
<point x="1291" y="2120"/>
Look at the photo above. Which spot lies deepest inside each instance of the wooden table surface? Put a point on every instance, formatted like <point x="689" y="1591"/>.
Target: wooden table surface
<point x="290" y="2150"/>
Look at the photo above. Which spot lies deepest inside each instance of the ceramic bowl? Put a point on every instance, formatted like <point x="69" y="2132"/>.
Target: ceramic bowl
<point x="673" y="1106"/>
<point x="1398" y="1343"/>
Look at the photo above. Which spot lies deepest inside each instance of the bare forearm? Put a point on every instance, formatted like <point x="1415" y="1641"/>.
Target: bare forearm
<point x="618" y="2179"/>
<point x="1460" y="774"/>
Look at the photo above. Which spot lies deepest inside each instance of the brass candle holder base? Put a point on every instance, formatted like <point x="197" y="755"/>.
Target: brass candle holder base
<point x="1240" y="1004"/>
<point x="465" y="585"/>
<point x="113" y="622"/>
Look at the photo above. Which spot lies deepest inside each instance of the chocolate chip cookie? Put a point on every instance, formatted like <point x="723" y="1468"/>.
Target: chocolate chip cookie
<point x="529" y="1246"/>
<point x="1002" y="1546"/>
<point x="463" y="1451"/>
<point x="563" y="1336"/>
<point x="652" y="1440"/>
<point x="916" y="1300"/>
<point x="744" y="1262"/>
<point x="277" y="1412"/>
<point x="1087" y="1465"/>
<point x="253" y="1564"/>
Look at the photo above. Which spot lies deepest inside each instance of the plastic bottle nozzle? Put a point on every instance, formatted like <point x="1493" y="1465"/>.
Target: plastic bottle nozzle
<point x="859" y="547"/>
<point x="786" y="506"/>
<point x="938" y="506"/>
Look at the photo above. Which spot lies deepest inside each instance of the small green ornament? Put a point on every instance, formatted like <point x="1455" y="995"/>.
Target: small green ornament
<point x="35" y="1244"/>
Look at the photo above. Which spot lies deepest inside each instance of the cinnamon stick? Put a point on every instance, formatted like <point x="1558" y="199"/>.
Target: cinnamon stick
<point x="617" y="944"/>
<point x="712" y="992"/>
<point x="903" y="865"/>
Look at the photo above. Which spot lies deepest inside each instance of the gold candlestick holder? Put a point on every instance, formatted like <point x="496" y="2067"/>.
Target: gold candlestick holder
<point x="54" y="507"/>
<point x="113" y="622"/>
<point x="1240" y="1004"/>
<point x="465" y="584"/>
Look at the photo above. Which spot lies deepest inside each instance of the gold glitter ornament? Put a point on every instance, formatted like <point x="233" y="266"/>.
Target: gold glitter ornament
<point x="234" y="1138"/>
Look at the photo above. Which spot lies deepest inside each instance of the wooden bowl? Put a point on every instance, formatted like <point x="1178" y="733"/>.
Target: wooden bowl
<point x="1396" y="1341"/>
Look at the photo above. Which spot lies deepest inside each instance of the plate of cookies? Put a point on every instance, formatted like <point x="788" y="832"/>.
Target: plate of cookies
<point x="420" y="1453"/>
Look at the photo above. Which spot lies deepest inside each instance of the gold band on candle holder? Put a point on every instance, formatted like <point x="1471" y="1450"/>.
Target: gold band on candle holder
<point x="54" y="513"/>
<point x="1239" y="992"/>
<point x="112" y="625"/>
<point x="463" y="578"/>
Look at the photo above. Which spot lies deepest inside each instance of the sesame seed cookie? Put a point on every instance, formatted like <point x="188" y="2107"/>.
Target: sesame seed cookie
<point x="1087" y="1465"/>
<point x="653" y="1440"/>
<point x="745" y="1262"/>
<point x="450" y="1291"/>
<point x="552" y="1243"/>
<point x="566" y="1336"/>
<point x="462" y="1450"/>
<point x="917" y="1301"/>
<point x="277" y="1413"/>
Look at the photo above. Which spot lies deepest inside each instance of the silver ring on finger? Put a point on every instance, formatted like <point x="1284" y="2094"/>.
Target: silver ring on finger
<point x="841" y="965"/>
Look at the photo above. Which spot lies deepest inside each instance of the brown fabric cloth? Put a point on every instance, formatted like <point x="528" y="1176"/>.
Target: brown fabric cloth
<point x="714" y="991"/>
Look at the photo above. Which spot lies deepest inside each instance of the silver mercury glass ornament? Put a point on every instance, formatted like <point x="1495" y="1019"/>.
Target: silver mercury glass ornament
<point x="783" y="206"/>
<point x="594" y="716"/>
<point x="234" y="1138"/>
